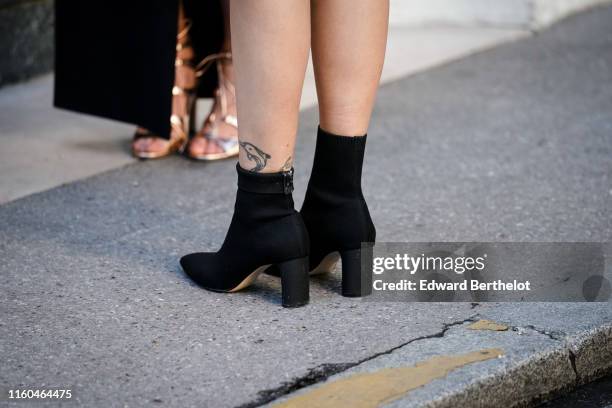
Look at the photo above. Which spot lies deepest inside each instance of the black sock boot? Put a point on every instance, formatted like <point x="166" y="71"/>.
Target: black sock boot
<point x="335" y="212"/>
<point x="265" y="230"/>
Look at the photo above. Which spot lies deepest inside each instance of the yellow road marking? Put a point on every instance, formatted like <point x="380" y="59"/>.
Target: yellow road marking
<point x="487" y="325"/>
<point x="369" y="390"/>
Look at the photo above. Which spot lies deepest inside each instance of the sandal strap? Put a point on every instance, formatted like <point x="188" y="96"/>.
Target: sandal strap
<point x="184" y="32"/>
<point x="178" y="134"/>
<point x="183" y="41"/>
<point x="225" y="144"/>
<point x="221" y="99"/>
<point x="177" y="90"/>
<point x="231" y="120"/>
<point x="203" y="65"/>
<point x="228" y="119"/>
<point x="176" y="123"/>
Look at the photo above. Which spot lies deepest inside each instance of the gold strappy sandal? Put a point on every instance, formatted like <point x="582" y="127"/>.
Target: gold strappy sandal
<point x="210" y="130"/>
<point x="183" y="104"/>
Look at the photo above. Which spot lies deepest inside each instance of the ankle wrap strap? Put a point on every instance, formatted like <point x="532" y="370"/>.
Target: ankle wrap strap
<point x="265" y="183"/>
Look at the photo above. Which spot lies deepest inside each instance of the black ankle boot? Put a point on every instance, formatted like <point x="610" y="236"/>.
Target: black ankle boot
<point x="265" y="230"/>
<point x="335" y="212"/>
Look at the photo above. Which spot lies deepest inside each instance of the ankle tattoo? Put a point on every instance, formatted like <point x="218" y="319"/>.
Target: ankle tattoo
<point x="255" y="154"/>
<point x="288" y="164"/>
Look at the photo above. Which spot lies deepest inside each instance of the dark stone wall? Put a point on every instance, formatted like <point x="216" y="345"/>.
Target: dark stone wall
<point x="26" y="39"/>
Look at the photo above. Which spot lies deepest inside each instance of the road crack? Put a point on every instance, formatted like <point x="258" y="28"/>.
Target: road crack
<point x="556" y="335"/>
<point x="572" y="359"/>
<point x="322" y="372"/>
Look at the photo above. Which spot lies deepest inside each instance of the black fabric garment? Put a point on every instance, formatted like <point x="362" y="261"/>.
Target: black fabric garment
<point x="115" y="59"/>
<point x="334" y="210"/>
<point x="265" y="229"/>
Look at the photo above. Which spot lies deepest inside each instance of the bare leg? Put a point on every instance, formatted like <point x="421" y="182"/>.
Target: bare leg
<point x="348" y="48"/>
<point x="270" y="42"/>
<point x="227" y="67"/>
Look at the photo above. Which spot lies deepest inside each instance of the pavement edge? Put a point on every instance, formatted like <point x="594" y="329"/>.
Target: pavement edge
<point x="579" y="359"/>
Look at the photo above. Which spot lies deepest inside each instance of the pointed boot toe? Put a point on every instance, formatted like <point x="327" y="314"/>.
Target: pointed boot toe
<point x="265" y="230"/>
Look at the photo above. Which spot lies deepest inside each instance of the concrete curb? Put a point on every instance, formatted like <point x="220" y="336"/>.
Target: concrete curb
<point x="579" y="359"/>
<point x="538" y="365"/>
<point x="592" y="351"/>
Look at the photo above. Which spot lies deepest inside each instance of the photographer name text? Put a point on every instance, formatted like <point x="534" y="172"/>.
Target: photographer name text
<point x="422" y="264"/>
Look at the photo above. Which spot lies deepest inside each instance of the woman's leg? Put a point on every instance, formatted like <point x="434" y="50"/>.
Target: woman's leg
<point x="217" y="138"/>
<point x="348" y="48"/>
<point x="270" y="43"/>
<point x="349" y="38"/>
<point x="149" y="146"/>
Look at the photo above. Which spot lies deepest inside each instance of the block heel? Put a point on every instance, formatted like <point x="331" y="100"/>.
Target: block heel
<point x="295" y="282"/>
<point x="356" y="281"/>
